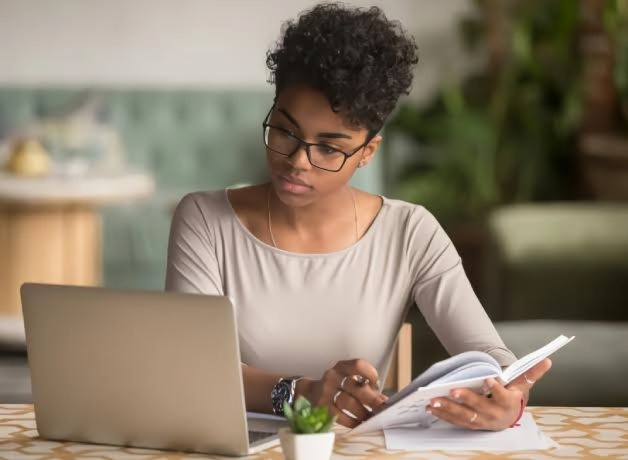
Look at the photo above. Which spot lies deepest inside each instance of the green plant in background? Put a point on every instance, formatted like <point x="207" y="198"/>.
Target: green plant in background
<point x="507" y="132"/>
<point x="305" y="419"/>
<point x="616" y="24"/>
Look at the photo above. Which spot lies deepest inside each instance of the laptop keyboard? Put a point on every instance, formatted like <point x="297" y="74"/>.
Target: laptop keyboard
<point x="255" y="436"/>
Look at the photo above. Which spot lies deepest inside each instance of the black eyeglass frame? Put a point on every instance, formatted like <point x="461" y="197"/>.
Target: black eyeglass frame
<point x="306" y="145"/>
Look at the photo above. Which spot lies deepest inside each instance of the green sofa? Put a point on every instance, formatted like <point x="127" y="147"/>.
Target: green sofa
<point x="562" y="261"/>
<point x="562" y="268"/>
<point x="188" y="139"/>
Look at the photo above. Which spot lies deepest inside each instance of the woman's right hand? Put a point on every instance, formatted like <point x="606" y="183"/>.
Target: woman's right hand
<point x="350" y="390"/>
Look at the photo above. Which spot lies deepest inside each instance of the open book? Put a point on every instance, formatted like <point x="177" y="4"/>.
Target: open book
<point x="465" y="370"/>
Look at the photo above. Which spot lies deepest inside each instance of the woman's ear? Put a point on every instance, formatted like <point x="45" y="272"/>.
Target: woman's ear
<point x="369" y="151"/>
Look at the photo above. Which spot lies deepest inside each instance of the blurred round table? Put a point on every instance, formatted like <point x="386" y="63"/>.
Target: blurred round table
<point x="50" y="228"/>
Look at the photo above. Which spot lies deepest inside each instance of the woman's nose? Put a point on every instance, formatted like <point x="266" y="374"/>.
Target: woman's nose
<point x="300" y="159"/>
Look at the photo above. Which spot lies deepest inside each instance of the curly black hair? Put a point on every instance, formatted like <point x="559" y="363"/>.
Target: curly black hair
<point x="359" y="59"/>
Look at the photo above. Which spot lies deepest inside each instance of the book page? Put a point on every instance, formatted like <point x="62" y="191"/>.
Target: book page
<point x="532" y="359"/>
<point x="411" y="409"/>
<point x="466" y="370"/>
<point x="441" y="369"/>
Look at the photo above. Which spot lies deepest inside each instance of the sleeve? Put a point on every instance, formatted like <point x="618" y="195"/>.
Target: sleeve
<point x="192" y="265"/>
<point x="444" y="295"/>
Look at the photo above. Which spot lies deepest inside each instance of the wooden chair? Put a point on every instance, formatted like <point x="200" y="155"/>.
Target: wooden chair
<point x="400" y="371"/>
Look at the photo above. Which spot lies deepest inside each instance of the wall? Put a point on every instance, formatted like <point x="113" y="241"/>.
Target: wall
<point x="185" y="42"/>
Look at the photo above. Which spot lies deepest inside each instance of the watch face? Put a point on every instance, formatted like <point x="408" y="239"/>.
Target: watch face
<point x="282" y="392"/>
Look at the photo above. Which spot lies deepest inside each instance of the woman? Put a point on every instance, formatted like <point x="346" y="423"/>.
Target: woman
<point x="322" y="275"/>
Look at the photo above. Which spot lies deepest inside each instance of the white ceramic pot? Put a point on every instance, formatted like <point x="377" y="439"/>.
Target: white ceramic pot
<point x="317" y="446"/>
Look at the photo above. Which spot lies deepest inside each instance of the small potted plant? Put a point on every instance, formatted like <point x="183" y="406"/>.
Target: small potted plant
<point x="308" y="436"/>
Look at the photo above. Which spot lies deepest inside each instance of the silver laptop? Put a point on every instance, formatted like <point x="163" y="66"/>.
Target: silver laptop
<point x="157" y="370"/>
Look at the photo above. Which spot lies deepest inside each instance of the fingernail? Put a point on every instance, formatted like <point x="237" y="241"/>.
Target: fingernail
<point x="437" y="404"/>
<point x="428" y="410"/>
<point x="456" y="395"/>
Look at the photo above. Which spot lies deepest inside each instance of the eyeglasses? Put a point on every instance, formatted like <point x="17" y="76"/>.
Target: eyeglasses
<point x="320" y="156"/>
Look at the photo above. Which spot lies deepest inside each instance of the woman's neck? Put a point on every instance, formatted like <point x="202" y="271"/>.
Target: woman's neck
<point x="328" y="211"/>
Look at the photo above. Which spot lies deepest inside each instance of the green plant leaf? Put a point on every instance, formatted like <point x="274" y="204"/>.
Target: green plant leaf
<point x="304" y="426"/>
<point x="304" y="418"/>
<point x="327" y="426"/>
<point x="302" y="404"/>
<point x="290" y="416"/>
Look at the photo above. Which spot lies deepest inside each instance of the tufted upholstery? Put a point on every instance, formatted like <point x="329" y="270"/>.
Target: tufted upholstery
<point x="189" y="139"/>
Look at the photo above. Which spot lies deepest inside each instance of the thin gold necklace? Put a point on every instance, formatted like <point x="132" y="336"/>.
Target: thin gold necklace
<point x="270" y="221"/>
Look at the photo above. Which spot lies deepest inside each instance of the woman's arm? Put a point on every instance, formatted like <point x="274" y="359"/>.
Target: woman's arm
<point x="444" y="295"/>
<point x="446" y="299"/>
<point x="192" y="267"/>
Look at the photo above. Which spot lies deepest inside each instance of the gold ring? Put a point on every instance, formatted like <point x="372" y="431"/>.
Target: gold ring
<point x="473" y="417"/>
<point x="528" y="381"/>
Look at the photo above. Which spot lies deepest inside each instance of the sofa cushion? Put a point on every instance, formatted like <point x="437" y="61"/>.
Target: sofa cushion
<point x="558" y="261"/>
<point x="592" y="370"/>
<point x="562" y="233"/>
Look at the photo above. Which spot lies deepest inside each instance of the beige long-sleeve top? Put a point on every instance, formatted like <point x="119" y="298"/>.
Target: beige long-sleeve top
<point x="298" y="314"/>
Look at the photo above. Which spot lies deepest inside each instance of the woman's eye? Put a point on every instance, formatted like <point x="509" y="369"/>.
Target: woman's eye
<point x="327" y="149"/>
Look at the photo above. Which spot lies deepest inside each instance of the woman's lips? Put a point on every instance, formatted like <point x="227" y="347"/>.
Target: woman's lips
<point x="292" y="185"/>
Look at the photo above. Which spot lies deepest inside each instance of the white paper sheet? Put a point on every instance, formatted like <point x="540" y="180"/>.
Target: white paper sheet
<point x="443" y="436"/>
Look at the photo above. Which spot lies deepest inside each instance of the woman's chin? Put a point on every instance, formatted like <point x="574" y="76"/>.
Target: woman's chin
<point x="291" y="197"/>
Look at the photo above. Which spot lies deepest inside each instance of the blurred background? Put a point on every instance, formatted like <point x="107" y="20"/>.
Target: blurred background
<point x="515" y="136"/>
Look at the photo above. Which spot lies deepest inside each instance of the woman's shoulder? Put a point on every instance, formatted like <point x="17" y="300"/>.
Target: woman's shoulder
<point x="209" y="202"/>
<point x="409" y="216"/>
<point x="218" y="206"/>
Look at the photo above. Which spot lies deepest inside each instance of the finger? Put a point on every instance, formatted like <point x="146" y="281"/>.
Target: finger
<point x="456" y="414"/>
<point x="534" y="374"/>
<point x="342" y="418"/>
<point x="506" y="404"/>
<point x="472" y="400"/>
<point x="360" y="367"/>
<point x="349" y="407"/>
<point x="369" y="398"/>
<point x="501" y="395"/>
<point x="537" y="372"/>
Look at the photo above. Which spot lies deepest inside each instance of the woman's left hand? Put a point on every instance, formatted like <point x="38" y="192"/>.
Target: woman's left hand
<point x="469" y="409"/>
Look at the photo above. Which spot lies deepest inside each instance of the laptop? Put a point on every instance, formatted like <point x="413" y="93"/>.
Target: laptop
<point x="148" y="369"/>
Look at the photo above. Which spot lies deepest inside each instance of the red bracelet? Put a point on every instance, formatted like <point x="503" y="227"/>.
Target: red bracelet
<point x="523" y="407"/>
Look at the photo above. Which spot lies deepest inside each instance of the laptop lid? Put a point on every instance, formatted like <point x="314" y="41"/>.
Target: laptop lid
<point x="146" y="369"/>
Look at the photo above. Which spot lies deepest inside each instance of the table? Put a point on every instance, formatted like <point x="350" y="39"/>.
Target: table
<point x="50" y="228"/>
<point x="582" y="432"/>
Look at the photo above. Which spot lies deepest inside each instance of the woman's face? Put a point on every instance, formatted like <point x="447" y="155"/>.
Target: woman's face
<point x="306" y="114"/>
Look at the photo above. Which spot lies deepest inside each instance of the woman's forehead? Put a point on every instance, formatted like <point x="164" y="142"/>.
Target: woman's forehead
<point x="310" y="109"/>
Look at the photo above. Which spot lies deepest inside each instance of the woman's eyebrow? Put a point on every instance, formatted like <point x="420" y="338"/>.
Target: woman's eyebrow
<point x="291" y="119"/>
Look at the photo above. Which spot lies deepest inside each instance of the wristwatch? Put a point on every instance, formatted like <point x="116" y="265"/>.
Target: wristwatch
<point x="283" y="392"/>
